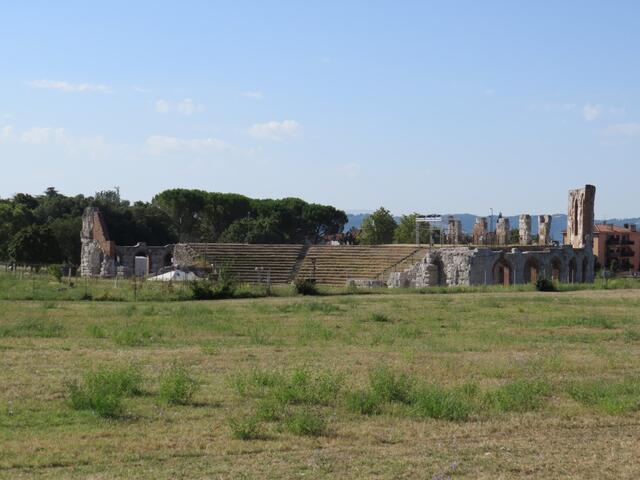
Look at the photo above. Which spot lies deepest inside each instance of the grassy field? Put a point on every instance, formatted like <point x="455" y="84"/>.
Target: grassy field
<point x="501" y="384"/>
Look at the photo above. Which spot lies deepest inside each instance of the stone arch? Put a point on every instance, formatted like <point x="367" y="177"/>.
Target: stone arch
<point x="556" y="269"/>
<point x="502" y="272"/>
<point x="531" y="270"/>
<point x="441" y="276"/>
<point x="573" y="270"/>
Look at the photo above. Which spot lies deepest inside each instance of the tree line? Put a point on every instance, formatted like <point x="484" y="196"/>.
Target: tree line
<point x="46" y="228"/>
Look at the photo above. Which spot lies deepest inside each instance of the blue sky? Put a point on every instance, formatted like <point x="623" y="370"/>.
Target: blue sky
<point x="417" y="106"/>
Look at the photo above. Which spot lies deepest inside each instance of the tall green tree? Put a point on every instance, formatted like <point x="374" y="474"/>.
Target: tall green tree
<point x="378" y="228"/>
<point x="406" y="230"/>
<point x="35" y="244"/>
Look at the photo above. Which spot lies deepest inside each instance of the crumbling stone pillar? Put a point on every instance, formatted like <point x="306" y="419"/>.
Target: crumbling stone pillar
<point x="503" y="231"/>
<point x="580" y="216"/>
<point x="524" y="229"/>
<point x="544" y="229"/>
<point x="454" y="231"/>
<point x="480" y="231"/>
<point x="97" y="255"/>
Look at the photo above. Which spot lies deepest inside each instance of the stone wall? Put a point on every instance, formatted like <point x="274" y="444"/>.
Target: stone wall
<point x="488" y="266"/>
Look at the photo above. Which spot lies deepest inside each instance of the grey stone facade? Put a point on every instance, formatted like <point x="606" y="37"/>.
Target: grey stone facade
<point x="502" y="266"/>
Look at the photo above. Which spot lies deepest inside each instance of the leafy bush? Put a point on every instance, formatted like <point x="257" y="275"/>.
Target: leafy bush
<point x="224" y="287"/>
<point x="96" y="331"/>
<point x="104" y="390"/>
<point x="177" y="387"/>
<point x="518" y="396"/>
<point x="612" y="397"/>
<point x="434" y="401"/>
<point x="305" y="388"/>
<point x="245" y="428"/>
<point x="269" y="410"/>
<point x="364" y="402"/>
<point x="202" y="290"/>
<point x="543" y="284"/>
<point x="55" y="271"/>
<point x="306" y="422"/>
<point x="136" y="335"/>
<point x="306" y="286"/>
<point x="391" y="387"/>
<point x="379" y="317"/>
<point x="33" y="327"/>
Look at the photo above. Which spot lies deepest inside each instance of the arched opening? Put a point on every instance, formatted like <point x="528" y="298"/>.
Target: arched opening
<point x="441" y="276"/>
<point x="556" y="269"/>
<point x="168" y="260"/>
<point x="141" y="264"/>
<point x="573" y="270"/>
<point x="502" y="272"/>
<point x="531" y="270"/>
<point x="585" y="268"/>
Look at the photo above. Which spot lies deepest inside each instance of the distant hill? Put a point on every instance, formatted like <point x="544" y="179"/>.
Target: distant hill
<point x="558" y="223"/>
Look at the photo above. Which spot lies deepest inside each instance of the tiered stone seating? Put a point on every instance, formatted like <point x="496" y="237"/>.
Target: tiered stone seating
<point x="242" y="259"/>
<point x="334" y="265"/>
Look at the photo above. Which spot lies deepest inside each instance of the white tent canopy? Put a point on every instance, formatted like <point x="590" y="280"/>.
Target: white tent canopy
<point x="174" y="276"/>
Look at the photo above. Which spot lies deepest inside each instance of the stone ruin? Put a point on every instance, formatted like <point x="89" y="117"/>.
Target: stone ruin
<point x="101" y="257"/>
<point x="489" y="261"/>
<point x="580" y="216"/>
<point x="503" y="230"/>
<point x="504" y="265"/>
<point x="544" y="229"/>
<point x="524" y="229"/>
<point x="454" y="231"/>
<point x="480" y="230"/>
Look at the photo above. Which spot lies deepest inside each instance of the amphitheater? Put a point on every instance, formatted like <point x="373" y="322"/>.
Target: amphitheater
<point x="488" y="260"/>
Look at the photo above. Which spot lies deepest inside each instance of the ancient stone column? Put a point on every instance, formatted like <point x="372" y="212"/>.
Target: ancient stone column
<point x="503" y="230"/>
<point x="524" y="229"/>
<point x="454" y="231"/>
<point x="97" y="254"/>
<point x="580" y="216"/>
<point x="479" y="232"/>
<point x="544" y="229"/>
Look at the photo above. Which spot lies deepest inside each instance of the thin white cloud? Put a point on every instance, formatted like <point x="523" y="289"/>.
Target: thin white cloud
<point x="54" y="137"/>
<point x="139" y="89"/>
<point x="274" y="130"/>
<point x="184" y="107"/>
<point x="188" y="107"/>
<point x="163" y="145"/>
<point x="554" y="107"/>
<point x="591" y="112"/>
<point x="70" y="87"/>
<point x="253" y="95"/>
<point x="162" y="106"/>
<point x="624" y="129"/>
